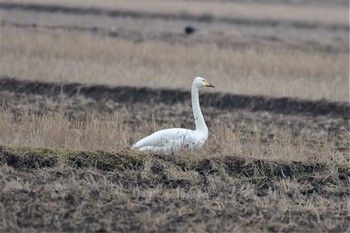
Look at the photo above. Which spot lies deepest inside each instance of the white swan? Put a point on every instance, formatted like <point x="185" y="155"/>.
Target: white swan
<point x="177" y="139"/>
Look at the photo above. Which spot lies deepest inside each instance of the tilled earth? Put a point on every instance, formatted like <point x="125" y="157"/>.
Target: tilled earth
<point x="59" y="190"/>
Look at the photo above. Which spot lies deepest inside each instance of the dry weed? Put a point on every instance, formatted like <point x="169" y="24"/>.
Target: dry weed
<point x="108" y="132"/>
<point x="76" y="57"/>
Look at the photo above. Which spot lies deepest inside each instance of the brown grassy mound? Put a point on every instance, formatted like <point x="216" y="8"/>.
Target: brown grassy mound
<point x="56" y="189"/>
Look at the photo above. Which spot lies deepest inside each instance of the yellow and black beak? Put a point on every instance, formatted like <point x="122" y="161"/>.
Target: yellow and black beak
<point x="207" y="84"/>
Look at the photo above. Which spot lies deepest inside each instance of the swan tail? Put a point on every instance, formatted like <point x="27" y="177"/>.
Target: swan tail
<point x="147" y="141"/>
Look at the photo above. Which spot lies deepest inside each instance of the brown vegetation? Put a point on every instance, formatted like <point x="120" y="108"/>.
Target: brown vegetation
<point x="241" y="57"/>
<point x="270" y="164"/>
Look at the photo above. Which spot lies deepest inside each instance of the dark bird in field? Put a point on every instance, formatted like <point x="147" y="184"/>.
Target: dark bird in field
<point x="189" y="30"/>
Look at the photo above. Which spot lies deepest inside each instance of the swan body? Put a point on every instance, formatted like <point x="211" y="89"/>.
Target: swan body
<point x="172" y="140"/>
<point x="178" y="139"/>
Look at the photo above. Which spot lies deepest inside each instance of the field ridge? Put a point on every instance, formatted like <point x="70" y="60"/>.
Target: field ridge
<point x="128" y="94"/>
<point x="24" y="158"/>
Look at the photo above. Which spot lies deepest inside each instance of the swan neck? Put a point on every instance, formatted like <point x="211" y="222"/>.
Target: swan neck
<point x="197" y="113"/>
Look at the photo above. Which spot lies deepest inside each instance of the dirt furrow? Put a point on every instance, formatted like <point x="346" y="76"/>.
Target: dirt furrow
<point x="220" y="101"/>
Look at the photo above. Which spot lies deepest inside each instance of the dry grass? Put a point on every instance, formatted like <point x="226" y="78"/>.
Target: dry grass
<point x="76" y="57"/>
<point x="101" y="132"/>
<point x="151" y="51"/>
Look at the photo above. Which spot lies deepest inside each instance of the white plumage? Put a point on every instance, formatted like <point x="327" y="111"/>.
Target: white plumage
<point x="177" y="139"/>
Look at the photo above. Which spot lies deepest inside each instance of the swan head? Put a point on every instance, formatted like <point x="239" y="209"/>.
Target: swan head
<point x="201" y="82"/>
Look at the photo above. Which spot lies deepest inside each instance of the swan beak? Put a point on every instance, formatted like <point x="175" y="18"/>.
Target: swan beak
<point x="207" y="84"/>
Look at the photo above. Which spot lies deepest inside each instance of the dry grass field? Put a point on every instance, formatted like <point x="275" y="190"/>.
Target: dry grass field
<point x="247" y="56"/>
<point x="81" y="81"/>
